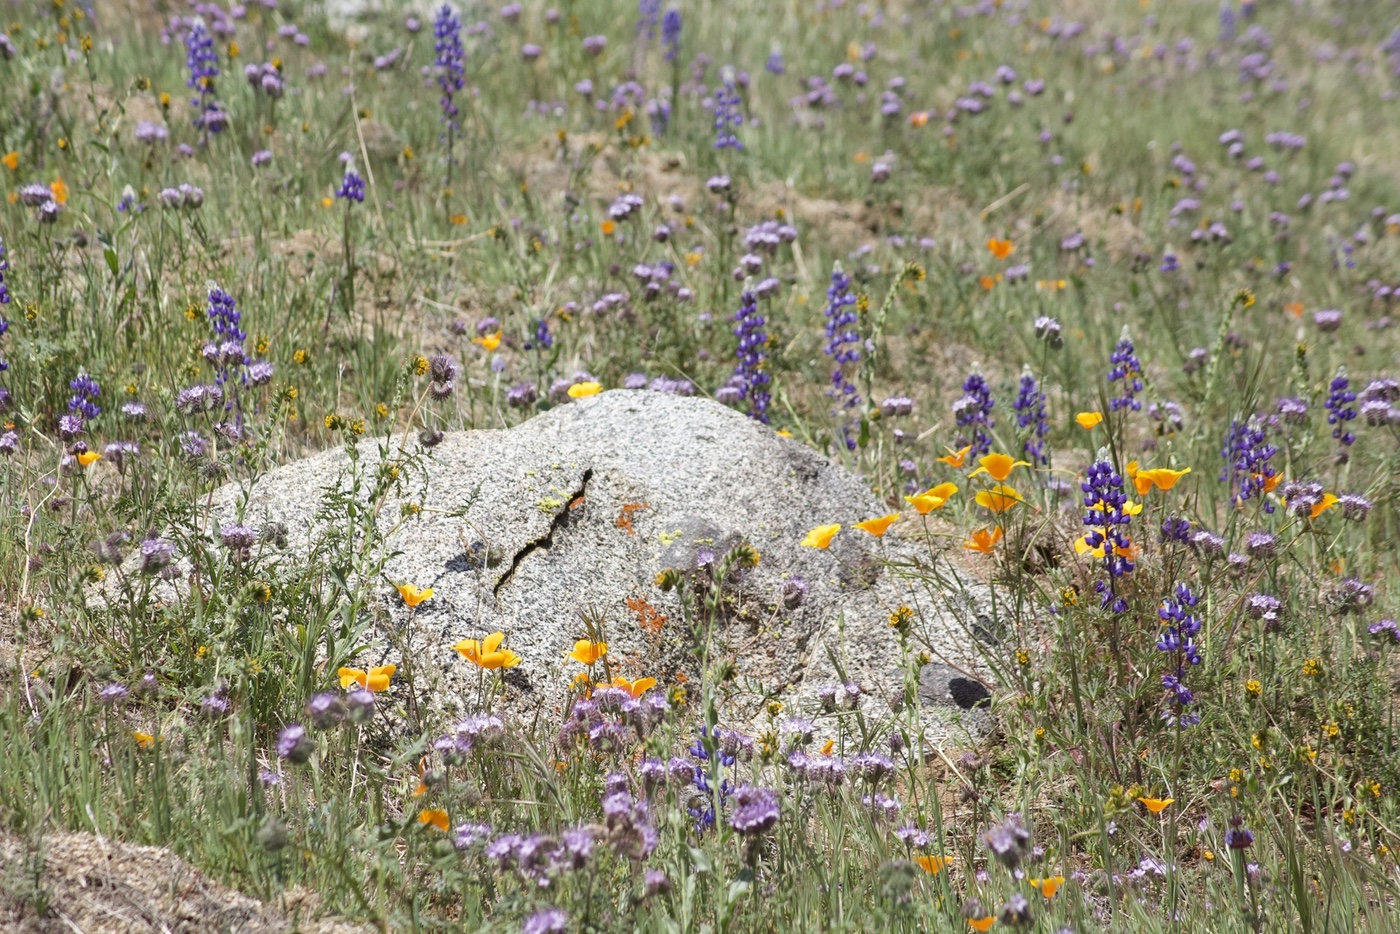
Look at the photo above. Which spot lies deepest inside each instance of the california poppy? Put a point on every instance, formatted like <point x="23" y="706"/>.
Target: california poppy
<point x="999" y="466"/>
<point x="376" y="679"/>
<point x="584" y="390"/>
<point x="999" y="498"/>
<point x="1156" y="805"/>
<point x="1088" y="420"/>
<point x="878" y="526"/>
<point x="488" y="341"/>
<point x="487" y="653"/>
<point x="1327" y="502"/>
<point x="437" y="817"/>
<point x="635" y="688"/>
<point x="588" y="653"/>
<point x="983" y="540"/>
<point x="955" y="458"/>
<point x="982" y="924"/>
<point x="821" y="536"/>
<point x="1162" y="478"/>
<point x="413" y="595"/>
<point x="144" y="740"/>
<point x="1001" y="249"/>
<point x="11" y="160"/>
<point x="933" y="865"/>
<point x="1048" y="887"/>
<point x="933" y="498"/>
<point x="88" y="458"/>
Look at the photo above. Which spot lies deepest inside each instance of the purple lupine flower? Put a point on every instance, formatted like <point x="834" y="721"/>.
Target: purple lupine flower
<point x="750" y="376"/>
<point x="1030" y="418"/>
<point x="352" y="187"/>
<point x="83" y="402"/>
<point x="1339" y="408"/>
<point x="4" y="292"/>
<point x="1178" y="640"/>
<point x="671" y="34"/>
<point x="1247" y="468"/>
<point x="973" y="414"/>
<point x="203" y="63"/>
<point x="450" y="61"/>
<point x="843" y="342"/>
<point x="1126" y="369"/>
<point x="1107" y="520"/>
<point x="649" y="12"/>
<point x="728" y="114"/>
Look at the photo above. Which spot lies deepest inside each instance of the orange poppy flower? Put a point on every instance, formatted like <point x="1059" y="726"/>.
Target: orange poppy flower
<point x="376" y="679"/>
<point x="1156" y="805"/>
<point x="878" y="526"/>
<point x="60" y="191"/>
<point x="144" y="740"/>
<point x="1087" y="420"/>
<point x="981" y="925"/>
<point x="436" y="817"/>
<point x="635" y="688"/>
<point x="588" y="653"/>
<point x="932" y="499"/>
<point x="88" y="458"/>
<point x="1294" y="308"/>
<point x="608" y="227"/>
<point x="919" y="118"/>
<point x="999" y="498"/>
<point x="999" y="466"/>
<point x="584" y="390"/>
<point x="487" y="653"/>
<point x="1326" y="503"/>
<point x="955" y="459"/>
<point x="821" y="536"/>
<point x="488" y="341"/>
<point x="984" y="540"/>
<point x="1001" y="249"/>
<point x="11" y="160"/>
<point x="933" y="865"/>
<point x="413" y="595"/>
<point x="1160" y="477"/>
<point x="1048" y="887"/>
<point x="987" y="282"/>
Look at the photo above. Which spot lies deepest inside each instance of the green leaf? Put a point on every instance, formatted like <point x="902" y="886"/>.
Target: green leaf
<point x="111" y="256"/>
<point x="700" y="859"/>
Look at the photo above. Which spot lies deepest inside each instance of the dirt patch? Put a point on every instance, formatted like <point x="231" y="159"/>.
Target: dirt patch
<point x="79" y="882"/>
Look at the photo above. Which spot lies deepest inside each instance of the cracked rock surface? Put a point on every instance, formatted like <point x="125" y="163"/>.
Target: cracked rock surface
<point x="575" y="512"/>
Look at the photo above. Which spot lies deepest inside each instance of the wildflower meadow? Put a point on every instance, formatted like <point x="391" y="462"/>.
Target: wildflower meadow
<point x="1095" y="297"/>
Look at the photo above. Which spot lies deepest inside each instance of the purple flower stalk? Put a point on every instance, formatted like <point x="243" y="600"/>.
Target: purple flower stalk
<point x="1339" y="408"/>
<point x="203" y="64"/>
<point x="1030" y="418"/>
<point x="1126" y="369"/>
<point x="728" y="115"/>
<point x="450" y="62"/>
<point x="1247" y="467"/>
<point x="974" y="411"/>
<point x="671" y="34"/>
<point x="352" y="187"/>
<point x="1177" y="639"/>
<point x="1105" y="502"/>
<point x="842" y="343"/>
<point x="750" y="377"/>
